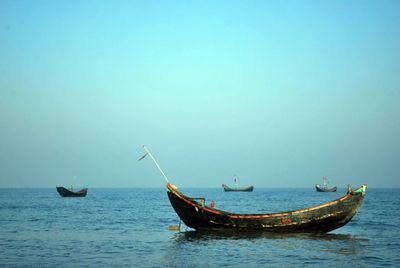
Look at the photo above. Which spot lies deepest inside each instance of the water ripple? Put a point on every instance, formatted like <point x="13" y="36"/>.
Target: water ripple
<point x="128" y="227"/>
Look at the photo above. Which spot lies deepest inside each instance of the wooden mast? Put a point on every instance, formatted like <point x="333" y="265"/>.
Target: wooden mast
<point x="155" y="162"/>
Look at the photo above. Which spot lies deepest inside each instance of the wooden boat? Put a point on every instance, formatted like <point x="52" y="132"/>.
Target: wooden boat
<point x="320" y="188"/>
<point x="324" y="187"/>
<point x="64" y="192"/>
<point x="237" y="189"/>
<point x="321" y="218"/>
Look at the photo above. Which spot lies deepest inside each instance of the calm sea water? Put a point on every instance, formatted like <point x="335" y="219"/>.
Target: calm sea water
<point x="129" y="227"/>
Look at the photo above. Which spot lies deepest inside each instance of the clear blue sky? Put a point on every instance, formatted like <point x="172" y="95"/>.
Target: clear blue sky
<point x="279" y="93"/>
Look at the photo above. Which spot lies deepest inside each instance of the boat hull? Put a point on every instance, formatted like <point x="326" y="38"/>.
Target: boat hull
<point x="322" y="218"/>
<point x="64" y="192"/>
<point x="244" y="189"/>
<point x="320" y="188"/>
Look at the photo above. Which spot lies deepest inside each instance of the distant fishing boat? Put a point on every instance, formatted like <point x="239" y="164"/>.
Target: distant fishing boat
<point x="325" y="187"/>
<point x="236" y="188"/>
<point x="64" y="192"/>
<point x="320" y="218"/>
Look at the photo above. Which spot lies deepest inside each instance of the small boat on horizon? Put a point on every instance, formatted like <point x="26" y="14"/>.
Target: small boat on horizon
<point x="324" y="187"/>
<point x="64" y="192"/>
<point x="236" y="188"/>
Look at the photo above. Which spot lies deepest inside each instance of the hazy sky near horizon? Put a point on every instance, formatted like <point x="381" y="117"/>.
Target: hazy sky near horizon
<point x="279" y="93"/>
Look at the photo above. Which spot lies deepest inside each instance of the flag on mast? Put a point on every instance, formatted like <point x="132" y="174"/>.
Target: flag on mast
<point x="143" y="156"/>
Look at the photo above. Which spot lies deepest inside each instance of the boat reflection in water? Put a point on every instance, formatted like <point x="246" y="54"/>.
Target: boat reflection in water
<point x="193" y="235"/>
<point x="273" y="245"/>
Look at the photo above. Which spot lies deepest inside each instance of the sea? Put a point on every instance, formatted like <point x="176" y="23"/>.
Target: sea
<point x="130" y="228"/>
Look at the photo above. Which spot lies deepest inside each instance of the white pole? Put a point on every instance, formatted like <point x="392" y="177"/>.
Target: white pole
<point x="155" y="162"/>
